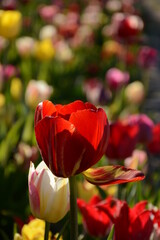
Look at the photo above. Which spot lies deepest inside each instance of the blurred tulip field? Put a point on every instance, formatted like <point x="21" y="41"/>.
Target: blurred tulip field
<point x="79" y="88"/>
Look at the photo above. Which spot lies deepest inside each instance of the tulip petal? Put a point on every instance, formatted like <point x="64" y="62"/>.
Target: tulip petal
<point x="94" y="127"/>
<point x="63" y="149"/>
<point x="66" y="110"/>
<point x="142" y="227"/>
<point x="44" y="109"/>
<point x="108" y="175"/>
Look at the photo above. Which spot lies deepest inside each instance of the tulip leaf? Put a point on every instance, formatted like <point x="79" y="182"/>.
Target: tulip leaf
<point x="108" y="175"/>
<point x="10" y="141"/>
<point x="111" y="234"/>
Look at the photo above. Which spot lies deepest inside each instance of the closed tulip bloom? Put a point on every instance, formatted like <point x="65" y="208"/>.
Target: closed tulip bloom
<point x="44" y="50"/>
<point x="71" y="138"/>
<point x="48" y="195"/>
<point x="25" y="46"/>
<point x="122" y="141"/>
<point x="10" y="23"/>
<point x="135" y="92"/>
<point x="116" y="78"/>
<point x="36" y="92"/>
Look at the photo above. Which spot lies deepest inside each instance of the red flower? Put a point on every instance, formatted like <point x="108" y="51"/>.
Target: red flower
<point x="129" y="27"/>
<point x="154" y="144"/>
<point x="131" y="223"/>
<point x="147" y="57"/>
<point x="122" y="141"/>
<point x="96" y="222"/>
<point x="145" y="125"/>
<point x="72" y="137"/>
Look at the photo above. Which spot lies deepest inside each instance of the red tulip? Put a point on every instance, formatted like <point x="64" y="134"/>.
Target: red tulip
<point x="131" y="223"/>
<point x="96" y="222"/>
<point x="154" y="144"/>
<point x="72" y="137"/>
<point x="122" y="141"/>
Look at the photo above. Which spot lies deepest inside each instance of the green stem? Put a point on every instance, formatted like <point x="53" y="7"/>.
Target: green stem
<point x="73" y="209"/>
<point x="47" y="227"/>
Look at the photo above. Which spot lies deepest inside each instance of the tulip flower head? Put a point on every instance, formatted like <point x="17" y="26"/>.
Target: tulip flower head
<point x="116" y="78"/>
<point x="147" y="57"/>
<point x="10" y="23"/>
<point x="96" y="222"/>
<point x="48" y="195"/>
<point x="154" y="144"/>
<point x="135" y="93"/>
<point x="74" y="137"/>
<point x="33" y="230"/>
<point x="37" y="91"/>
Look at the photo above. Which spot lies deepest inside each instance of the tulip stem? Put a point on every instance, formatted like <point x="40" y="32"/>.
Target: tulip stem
<point x="73" y="209"/>
<point x="47" y="227"/>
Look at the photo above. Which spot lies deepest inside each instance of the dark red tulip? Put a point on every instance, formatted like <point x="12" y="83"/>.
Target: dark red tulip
<point x="130" y="26"/>
<point x="147" y="57"/>
<point x="71" y="138"/>
<point x="154" y="144"/>
<point x="145" y="125"/>
<point x="122" y="141"/>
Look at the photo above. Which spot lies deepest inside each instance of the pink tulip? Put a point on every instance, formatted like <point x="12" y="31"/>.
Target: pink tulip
<point x="115" y="78"/>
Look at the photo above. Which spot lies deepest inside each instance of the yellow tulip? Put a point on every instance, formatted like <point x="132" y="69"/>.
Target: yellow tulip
<point x="34" y="230"/>
<point x="16" y="88"/>
<point x="44" y="50"/>
<point x="10" y="23"/>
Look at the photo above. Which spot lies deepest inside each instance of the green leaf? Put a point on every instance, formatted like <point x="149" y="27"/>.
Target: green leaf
<point x="10" y="141"/>
<point x="111" y="234"/>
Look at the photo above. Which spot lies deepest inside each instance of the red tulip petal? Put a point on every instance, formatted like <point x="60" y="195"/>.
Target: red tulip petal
<point x="142" y="227"/>
<point x="90" y="106"/>
<point x="44" y="109"/>
<point x="137" y="209"/>
<point x="94" y="127"/>
<point x="63" y="149"/>
<point x="108" y="175"/>
<point x="122" y="223"/>
<point x="66" y="110"/>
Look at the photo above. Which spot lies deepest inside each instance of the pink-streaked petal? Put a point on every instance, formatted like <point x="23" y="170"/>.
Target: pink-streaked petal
<point x="108" y="175"/>
<point x="34" y="199"/>
<point x="94" y="127"/>
<point x="44" y="109"/>
<point x="62" y="148"/>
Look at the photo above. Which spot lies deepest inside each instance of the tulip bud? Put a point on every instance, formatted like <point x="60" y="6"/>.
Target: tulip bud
<point x="47" y="32"/>
<point x="116" y="78"/>
<point x="48" y="194"/>
<point x="135" y="92"/>
<point x="44" y="50"/>
<point x="16" y="88"/>
<point x="25" y="46"/>
<point x="147" y="57"/>
<point x="2" y="100"/>
<point x="10" y="23"/>
<point x="36" y="92"/>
